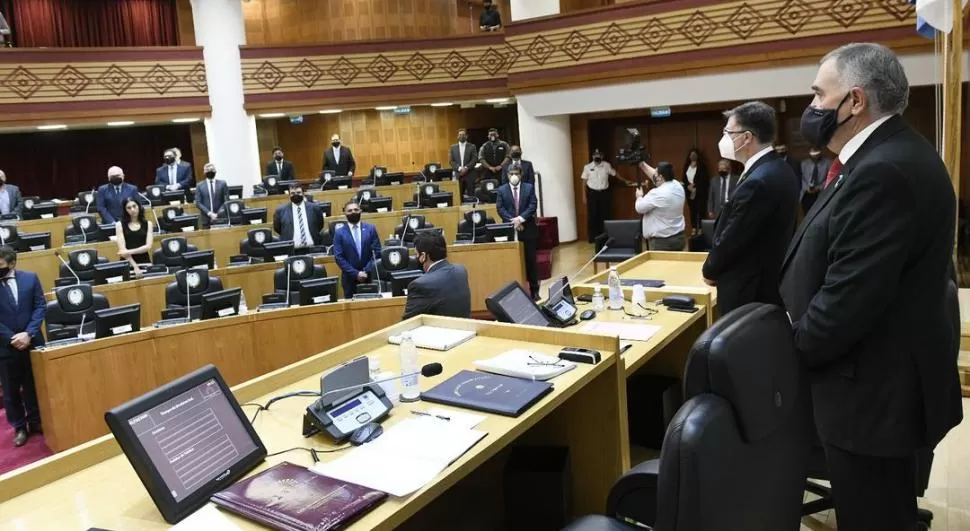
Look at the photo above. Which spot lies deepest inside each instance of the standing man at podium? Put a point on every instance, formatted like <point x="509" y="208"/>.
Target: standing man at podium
<point x="338" y="158"/>
<point x="463" y="156"/>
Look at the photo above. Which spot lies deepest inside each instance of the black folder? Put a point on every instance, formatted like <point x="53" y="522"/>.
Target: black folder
<point x="492" y="393"/>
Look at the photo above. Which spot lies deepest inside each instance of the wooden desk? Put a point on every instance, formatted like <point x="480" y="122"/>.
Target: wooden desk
<point x="93" y="485"/>
<point x="55" y="226"/>
<point x="490" y="266"/>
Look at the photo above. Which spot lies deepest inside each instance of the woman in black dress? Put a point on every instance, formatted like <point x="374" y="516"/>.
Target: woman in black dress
<point x="696" y="182"/>
<point x="134" y="235"/>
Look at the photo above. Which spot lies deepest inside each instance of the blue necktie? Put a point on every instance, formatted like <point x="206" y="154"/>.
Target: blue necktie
<point x="356" y="233"/>
<point x="9" y="290"/>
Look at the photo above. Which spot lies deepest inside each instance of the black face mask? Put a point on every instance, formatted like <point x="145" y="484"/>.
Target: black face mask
<point x="296" y="198"/>
<point x="210" y="175"/>
<point x="462" y="139"/>
<point x="487" y="7"/>
<point x="722" y="173"/>
<point x="353" y="218"/>
<point x="597" y="159"/>
<point x="278" y="157"/>
<point x="818" y="126"/>
<point x="116" y="181"/>
<point x="335" y="143"/>
<point x="516" y="155"/>
<point x="4" y="271"/>
<point x="169" y="160"/>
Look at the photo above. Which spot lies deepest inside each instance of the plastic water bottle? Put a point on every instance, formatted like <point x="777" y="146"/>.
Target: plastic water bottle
<point x="409" y="365"/>
<point x="374" y="368"/>
<point x="243" y="309"/>
<point x="598" y="298"/>
<point x="616" y="291"/>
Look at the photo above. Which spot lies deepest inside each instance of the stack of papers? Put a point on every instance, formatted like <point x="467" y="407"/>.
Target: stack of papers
<point x="521" y="363"/>
<point x="406" y="457"/>
<point x="436" y="338"/>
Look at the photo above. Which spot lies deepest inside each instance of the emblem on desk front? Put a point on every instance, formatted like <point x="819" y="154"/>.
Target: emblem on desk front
<point x="75" y="297"/>
<point x="271" y="181"/>
<point x="85" y="223"/>
<point x="156" y="192"/>
<point x="299" y="266"/>
<point x="88" y="198"/>
<point x="29" y="203"/>
<point x="489" y="186"/>
<point x="170" y="214"/>
<point x="413" y="223"/>
<point x="432" y="168"/>
<point x="378" y="172"/>
<point x="234" y="208"/>
<point x="365" y="196"/>
<point x="476" y="218"/>
<point x="327" y="176"/>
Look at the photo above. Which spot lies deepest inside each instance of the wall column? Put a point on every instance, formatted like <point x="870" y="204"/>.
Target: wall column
<point x="547" y="143"/>
<point x="230" y="132"/>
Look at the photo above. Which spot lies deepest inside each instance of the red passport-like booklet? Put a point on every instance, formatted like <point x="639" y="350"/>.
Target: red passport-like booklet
<point x="292" y="498"/>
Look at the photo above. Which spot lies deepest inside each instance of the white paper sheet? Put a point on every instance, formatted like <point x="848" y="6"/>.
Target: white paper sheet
<point x="208" y="518"/>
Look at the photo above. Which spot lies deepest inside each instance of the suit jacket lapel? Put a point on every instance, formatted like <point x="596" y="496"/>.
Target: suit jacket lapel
<point x="21" y="289"/>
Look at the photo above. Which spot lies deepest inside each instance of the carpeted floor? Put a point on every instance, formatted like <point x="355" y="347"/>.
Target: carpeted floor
<point x="12" y="457"/>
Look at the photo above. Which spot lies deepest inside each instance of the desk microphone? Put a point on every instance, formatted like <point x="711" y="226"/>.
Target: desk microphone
<point x="407" y="223"/>
<point x="84" y="234"/>
<point x="158" y="228"/>
<point x="429" y="370"/>
<point x="377" y="272"/>
<point x="289" y="269"/>
<point x="89" y="202"/>
<point x="188" y="297"/>
<point x="67" y="265"/>
<point x="80" y="329"/>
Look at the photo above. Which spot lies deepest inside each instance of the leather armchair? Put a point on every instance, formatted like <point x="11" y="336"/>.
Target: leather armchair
<point x="627" y="240"/>
<point x="71" y="305"/>
<point x="85" y="228"/>
<point x="301" y="268"/>
<point x="169" y="254"/>
<point x="393" y="258"/>
<point x="252" y="244"/>
<point x="82" y="261"/>
<point x="473" y="225"/>
<point x="188" y="288"/>
<point x="734" y="456"/>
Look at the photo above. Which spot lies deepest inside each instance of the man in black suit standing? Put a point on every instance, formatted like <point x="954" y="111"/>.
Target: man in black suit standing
<point x="757" y="222"/>
<point x="864" y="282"/>
<point x="463" y="156"/>
<point x="280" y="167"/>
<point x="528" y="172"/>
<point x="516" y="203"/>
<point x="299" y="222"/>
<point x="338" y="159"/>
<point x="210" y="196"/>
<point x="443" y="288"/>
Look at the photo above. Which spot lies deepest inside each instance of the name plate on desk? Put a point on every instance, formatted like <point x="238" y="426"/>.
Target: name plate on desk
<point x="381" y="210"/>
<point x="114" y="280"/>
<point x="36" y="247"/>
<point x="342" y="187"/>
<point x="396" y="182"/>
<point x="233" y="197"/>
<point x="123" y="329"/>
<point x="188" y="229"/>
<point x="254" y="222"/>
<point x="442" y="205"/>
<point x="47" y="216"/>
<point x="500" y="239"/>
<point x="174" y="203"/>
<point x="113" y="238"/>
<point x="226" y="311"/>
<point x="281" y="257"/>
<point x="321" y="298"/>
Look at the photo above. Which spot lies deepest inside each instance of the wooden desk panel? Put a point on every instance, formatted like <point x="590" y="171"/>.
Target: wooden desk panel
<point x="679" y="271"/>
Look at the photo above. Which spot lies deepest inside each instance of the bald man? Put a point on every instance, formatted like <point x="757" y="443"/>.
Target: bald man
<point x="112" y="196"/>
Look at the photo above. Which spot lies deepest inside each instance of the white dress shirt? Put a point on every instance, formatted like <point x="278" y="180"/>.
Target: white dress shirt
<point x="172" y="173"/>
<point x="336" y="154"/>
<point x="597" y="176"/>
<point x="663" y="210"/>
<point x="5" y="206"/>
<point x="860" y="138"/>
<point x="757" y="156"/>
<point x="300" y="219"/>
<point x="11" y="281"/>
<point x="461" y="153"/>
<point x="691" y="173"/>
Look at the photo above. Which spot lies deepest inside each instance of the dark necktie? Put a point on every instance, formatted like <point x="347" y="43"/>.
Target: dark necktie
<point x="814" y="182"/>
<point x="515" y="199"/>
<point x="834" y="172"/>
<point x="9" y="289"/>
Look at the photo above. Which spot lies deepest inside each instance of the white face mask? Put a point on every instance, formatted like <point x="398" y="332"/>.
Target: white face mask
<point x="514" y="179"/>
<point x="726" y="147"/>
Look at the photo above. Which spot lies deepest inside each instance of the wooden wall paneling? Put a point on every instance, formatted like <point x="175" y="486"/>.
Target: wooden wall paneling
<point x="186" y="22"/>
<point x="200" y="150"/>
<point x="569" y="6"/>
<point x="267" y="138"/>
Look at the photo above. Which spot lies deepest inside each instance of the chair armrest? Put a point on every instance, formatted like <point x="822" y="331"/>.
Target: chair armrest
<point x="634" y="496"/>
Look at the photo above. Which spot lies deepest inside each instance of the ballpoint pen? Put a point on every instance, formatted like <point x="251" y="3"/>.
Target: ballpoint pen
<point x="426" y="414"/>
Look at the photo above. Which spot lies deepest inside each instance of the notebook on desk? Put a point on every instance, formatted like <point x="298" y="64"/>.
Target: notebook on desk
<point x="522" y="363"/>
<point x="436" y="338"/>
<point x="492" y="393"/>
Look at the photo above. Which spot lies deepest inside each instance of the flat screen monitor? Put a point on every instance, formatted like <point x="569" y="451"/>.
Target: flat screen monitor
<point x="220" y="303"/>
<point x="377" y="204"/>
<point x="337" y="182"/>
<point x="186" y="441"/>
<point x="34" y="241"/>
<point x="438" y="200"/>
<point x="111" y="273"/>
<point x="254" y="216"/>
<point x="184" y="223"/>
<point x="437" y="231"/>
<point x="443" y="174"/>
<point x="325" y="208"/>
<point x="173" y="197"/>
<point x="277" y="251"/>
<point x="501" y="232"/>
<point x="390" y="178"/>
<point x="43" y="210"/>
<point x="400" y="280"/>
<point x="512" y="304"/>
<point x="205" y="258"/>
<point x="318" y="291"/>
<point x="235" y="192"/>
<point x="116" y="321"/>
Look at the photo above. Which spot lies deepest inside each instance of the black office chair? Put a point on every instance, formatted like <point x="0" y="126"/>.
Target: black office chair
<point x="71" y="305"/>
<point x="627" y="236"/>
<point x="169" y="253"/>
<point x="733" y="457"/>
<point x="301" y="268"/>
<point x="414" y="222"/>
<point x="485" y="190"/>
<point x="9" y="235"/>
<point x="84" y="228"/>
<point x="271" y="184"/>
<point x="252" y="244"/>
<point x="393" y="258"/>
<point x="82" y="261"/>
<point x="472" y="227"/>
<point x="84" y="202"/>
<point x="188" y="288"/>
<point x="231" y="213"/>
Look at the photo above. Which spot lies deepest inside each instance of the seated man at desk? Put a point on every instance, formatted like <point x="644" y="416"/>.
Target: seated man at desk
<point x="299" y="222"/>
<point x="443" y="288"/>
<point x="111" y="197"/>
<point x="210" y="196"/>
<point x="356" y="246"/>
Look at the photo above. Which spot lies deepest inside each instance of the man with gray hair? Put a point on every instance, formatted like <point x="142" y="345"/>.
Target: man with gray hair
<point x="756" y="223"/>
<point x="10" y="199"/>
<point x="865" y="282"/>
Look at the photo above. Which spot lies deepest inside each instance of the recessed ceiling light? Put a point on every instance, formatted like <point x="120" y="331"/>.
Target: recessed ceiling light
<point x="272" y="115"/>
<point x="51" y="127"/>
<point x="442" y="104"/>
<point x="386" y="108"/>
<point x="330" y="111"/>
<point x="121" y="123"/>
<point x="184" y="120"/>
<point x="497" y="100"/>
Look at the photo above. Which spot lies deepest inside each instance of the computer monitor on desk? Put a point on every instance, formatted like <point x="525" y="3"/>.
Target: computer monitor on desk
<point x="318" y="291"/>
<point x="183" y="223"/>
<point x="377" y="204"/>
<point x="512" y="304"/>
<point x="501" y="232"/>
<point x="34" y="241"/>
<point x="38" y="210"/>
<point x="111" y="273"/>
<point x="254" y="216"/>
<point x="390" y="178"/>
<point x="438" y="200"/>
<point x="400" y="280"/>
<point x="443" y="174"/>
<point x="277" y="251"/>
<point x="220" y="303"/>
<point x="204" y="258"/>
<point x="336" y="182"/>
<point x="118" y="320"/>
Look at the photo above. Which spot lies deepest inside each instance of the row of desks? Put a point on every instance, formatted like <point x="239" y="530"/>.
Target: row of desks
<point x="225" y="241"/>
<point x="337" y="199"/>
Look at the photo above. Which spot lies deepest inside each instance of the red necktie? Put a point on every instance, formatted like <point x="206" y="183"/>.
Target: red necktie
<point x="834" y="171"/>
<point x="515" y="198"/>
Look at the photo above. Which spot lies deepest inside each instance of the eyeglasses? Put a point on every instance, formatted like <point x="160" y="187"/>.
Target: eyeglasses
<point x="540" y="363"/>
<point x="727" y="132"/>
<point x="650" y="312"/>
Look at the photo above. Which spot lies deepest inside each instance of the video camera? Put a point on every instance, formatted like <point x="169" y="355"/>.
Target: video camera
<point x="634" y="153"/>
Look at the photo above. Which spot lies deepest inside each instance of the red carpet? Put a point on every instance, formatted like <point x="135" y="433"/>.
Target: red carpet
<point x="12" y="457"/>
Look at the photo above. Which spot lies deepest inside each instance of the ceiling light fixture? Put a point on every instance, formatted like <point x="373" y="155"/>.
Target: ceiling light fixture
<point x="272" y="115"/>
<point x="51" y="127"/>
<point x="331" y="111"/>
<point x="442" y="104"/>
<point x="386" y="108"/>
<point x="497" y="100"/>
<point x="121" y="123"/>
<point x="184" y="120"/>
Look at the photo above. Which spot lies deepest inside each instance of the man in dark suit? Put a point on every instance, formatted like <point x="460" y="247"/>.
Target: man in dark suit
<point x="299" y="222"/>
<point x="173" y="174"/>
<point x="516" y="203"/>
<point x="796" y="166"/>
<point x="356" y="247"/>
<point x="756" y="224"/>
<point x="463" y="156"/>
<point x="339" y="159"/>
<point x="721" y="188"/>
<point x="112" y="196"/>
<point x="525" y="166"/>
<point x="22" y="310"/>
<point x="210" y="196"/>
<point x="814" y="170"/>
<point x="280" y="167"/>
<point x="443" y="288"/>
<point x="10" y="198"/>
<point x="864" y="282"/>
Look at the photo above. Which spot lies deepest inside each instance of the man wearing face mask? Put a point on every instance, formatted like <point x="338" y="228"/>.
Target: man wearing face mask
<point x="111" y="197"/>
<point x="463" y="156"/>
<point x="596" y="175"/>
<point x="443" y="288"/>
<point x="338" y="159"/>
<point x="721" y="188"/>
<point x="356" y="248"/>
<point x="299" y="222"/>
<point x="280" y="167"/>
<point x="10" y="198"/>
<point x="756" y="224"/>
<point x="490" y="19"/>
<point x="210" y="196"/>
<point x="814" y="170"/>
<point x="516" y="203"/>
<point x="865" y="283"/>
<point x="493" y="155"/>
<point x="173" y="174"/>
<point x="525" y="167"/>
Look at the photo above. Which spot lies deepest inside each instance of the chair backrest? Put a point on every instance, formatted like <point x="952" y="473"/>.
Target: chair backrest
<point x="365" y="195"/>
<point x="478" y="217"/>
<point x="170" y="251"/>
<point x="72" y="304"/>
<point x="83" y="260"/>
<point x="427" y="189"/>
<point x="734" y="456"/>
<point x="190" y="284"/>
<point x="395" y="258"/>
<point x="335" y="226"/>
<point x="301" y="268"/>
<point x="9" y="234"/>
<point x="626" y="233"/>
<point x="85" y="224"/>
<point x="255" y="239"/>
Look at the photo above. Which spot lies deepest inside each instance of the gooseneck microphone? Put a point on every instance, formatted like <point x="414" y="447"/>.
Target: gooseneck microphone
<point x="158" y="228"/>
<point x="429" y="370"/>
<point x="67" y="265"/>
<point x="188" y="297"/>
<point x="88" y="205"/>
<point x="289" y="270"/>
<point x="377" y="272"/>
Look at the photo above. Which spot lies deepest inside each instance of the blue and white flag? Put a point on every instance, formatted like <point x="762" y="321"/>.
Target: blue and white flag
<point x="933" y="16"/>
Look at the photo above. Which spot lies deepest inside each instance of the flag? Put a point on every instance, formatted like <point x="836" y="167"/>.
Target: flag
<point x="933" y="16"/>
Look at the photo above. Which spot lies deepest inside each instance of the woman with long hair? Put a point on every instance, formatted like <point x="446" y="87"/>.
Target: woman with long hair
<point x="696" y="183"/>
<point x="134" y="236"/>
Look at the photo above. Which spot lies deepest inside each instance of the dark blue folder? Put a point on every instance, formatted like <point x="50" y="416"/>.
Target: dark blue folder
<point x="492" y="393"/>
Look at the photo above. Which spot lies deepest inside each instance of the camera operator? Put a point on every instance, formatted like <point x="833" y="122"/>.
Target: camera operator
<point x="662" y="209"/>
